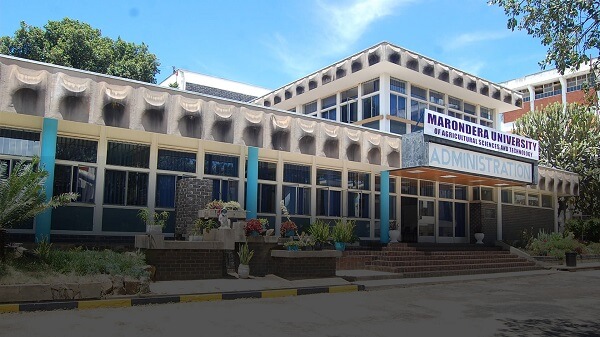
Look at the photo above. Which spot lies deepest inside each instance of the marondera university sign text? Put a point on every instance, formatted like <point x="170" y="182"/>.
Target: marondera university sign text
<point x="457" y="130"/>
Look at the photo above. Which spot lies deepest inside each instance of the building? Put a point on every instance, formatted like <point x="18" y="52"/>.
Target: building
<point x="385" y="134"/>
<point x="544" y="88"/>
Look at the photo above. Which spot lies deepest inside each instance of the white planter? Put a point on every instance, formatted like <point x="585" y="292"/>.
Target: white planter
<point x="479" y="238"/>
<point x="210" y="235"/>
<point x="153" y="229"/>
<point x="394" y="235"/>
<point x="195" y="238"/>
<point x="244" y="271"/>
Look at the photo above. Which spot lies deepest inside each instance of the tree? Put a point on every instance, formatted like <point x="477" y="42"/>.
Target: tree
<point x="22" y="194"/>
<point x="570" y="29"/>
<point x="76" y="44"/>
<point x="569" y="140"/>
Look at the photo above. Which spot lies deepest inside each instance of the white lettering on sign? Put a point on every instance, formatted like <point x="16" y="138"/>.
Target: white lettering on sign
<point x="454" y="129"/>
<point x="456" y="159"/>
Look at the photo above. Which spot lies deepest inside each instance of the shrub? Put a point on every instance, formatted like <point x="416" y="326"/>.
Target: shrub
<point x="588" y="230"/>
<point x="555" y="244"/>
<point x="320" y="231"/>
<point x="90" y="262"/>
<point x="253" y="225"/>
<point x="343" y="231"/>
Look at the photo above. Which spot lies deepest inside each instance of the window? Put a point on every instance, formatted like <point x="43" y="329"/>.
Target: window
<point x="309" y="108"/>
<point x="125" y="188"/>
<point x="470" y="109"/>
<point x="446" y="191"/>
<point x="297" y="199"/>
<point x="358" y="205"/>
<point x="221" y="165"/>
<point x="392" y="184"/>
<point x="506" y="196"/>
<point x="76" y="179"/>
<point x="176" y="161"/>
<point x="329" y="178"/>
<point x="436" y="97"/>
<point x="392" y="207"/>
<point x="427" y="188"/>
<point x="266" y="198"/>
<point x="358" y="180"/>
<point x="460" y="192"/>
<point x="131" y="155"/>
<point x="576" y="83"/>
<point x="454" y="103"/>
<point x="226" y="190"/>
<point x="19" y="143"/>
<point x="165" y="190"/>
<point x="299" y="174"/>
<point x="370" y="87"/>
<point x="349" y="106"/>
<point x="328" y="102"/>
<point x="397" y="86"/>
<point x="417" y="92"/>
<point x="329" y="114"/>
<point x="485" y="112"/>
<point x="483" y="193"/>
<point x="370" y="106"/>
<point x="409" y="186"/>
<point x="519" y="198"/>
<point x="533" y="200"/>
<point x="417" y="111"/>
<point x="371" y="125"/>
<point x="397" y="106"/>
<point x="329" y="202"/>
<point x="398" y="128"/>
<point x="76" y="149"/>
<point x="267" y="171"/>
<point x="547" y="201"/>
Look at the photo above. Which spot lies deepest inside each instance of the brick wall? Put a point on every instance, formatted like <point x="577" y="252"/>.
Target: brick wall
<point x="484" y="213"/>
<point x="517" y="218"/>
<point x="353" y="260"/>
<point x="306" y="267"/>
<point x="192" y="195"/>
<point x="186" y="264"/>
<point x="262" y="263"/>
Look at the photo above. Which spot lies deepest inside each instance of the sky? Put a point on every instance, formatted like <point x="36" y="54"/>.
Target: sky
<point x="270" y="43"/>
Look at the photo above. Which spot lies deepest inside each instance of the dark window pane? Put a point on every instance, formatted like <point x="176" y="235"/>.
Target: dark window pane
<point x="398" y="128"/>
<point x="266" y="201"/>
<point x="84" y="178"/>
<point x="299" y="174"/>
<point x="358" y="205"/>
<point x="176" y="161"/>
<point x="137" y="188"/>
<point x="132" y="155"/>
<point x="220" y="165"/>
<point x="76" y="149"/>
<point x="329" y="178"/>
<point x="358" y="180"/>
<point x="392" y="184"/>
<point x="267" y="171"/>
<point x="165" y="190"/>
<point x="297" y="199"/>
<point x="114" y="187"/>
<point x="62" y="179"/>
<point x="226" y="190"/>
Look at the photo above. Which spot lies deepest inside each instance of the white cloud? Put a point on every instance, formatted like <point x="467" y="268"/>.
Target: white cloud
<point x="335" y="29"/>
<point x="467" y="39"/>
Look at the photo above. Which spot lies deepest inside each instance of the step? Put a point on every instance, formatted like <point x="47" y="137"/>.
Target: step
<point x="436" y="262"/>
<point x="468" y="272"/>
<point x="411" y="269"/>
<point x="457" y="252"/>
<point x="443" y="257"/>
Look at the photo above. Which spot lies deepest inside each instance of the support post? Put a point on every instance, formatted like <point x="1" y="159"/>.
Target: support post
<point x="384" y="205"/>
<point x="252" y="183"/>
<point x="47" y="159"/>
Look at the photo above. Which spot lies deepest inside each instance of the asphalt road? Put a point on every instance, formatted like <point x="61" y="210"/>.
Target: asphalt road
<point x="561" y="304"/>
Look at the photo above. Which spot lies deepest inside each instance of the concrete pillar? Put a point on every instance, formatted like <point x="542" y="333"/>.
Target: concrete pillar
<point x="563" y="92"/>
<point x="531" y="90"/>
<point x="252" y="183"/>
<point x="47" y="159"/>
<point x="384" y="204"/>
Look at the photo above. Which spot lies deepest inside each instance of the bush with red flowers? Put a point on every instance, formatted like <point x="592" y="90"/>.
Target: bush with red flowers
<point x="253" y="225"/>
<point x="288" y="226"/>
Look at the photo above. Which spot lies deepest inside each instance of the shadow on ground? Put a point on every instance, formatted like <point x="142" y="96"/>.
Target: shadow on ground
<point x="548" y="327"/>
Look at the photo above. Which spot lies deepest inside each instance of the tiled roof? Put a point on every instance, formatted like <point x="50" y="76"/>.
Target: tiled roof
<point x="218" y="92"/>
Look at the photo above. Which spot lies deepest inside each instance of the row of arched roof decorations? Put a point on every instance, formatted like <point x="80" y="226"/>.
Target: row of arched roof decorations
<point x="399" y="57"/>
<point x="562" y="182"/>
<point x="81" y="99"/>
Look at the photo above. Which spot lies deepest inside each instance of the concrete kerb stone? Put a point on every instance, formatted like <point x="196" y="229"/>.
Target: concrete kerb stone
<point x="145" y="300"/>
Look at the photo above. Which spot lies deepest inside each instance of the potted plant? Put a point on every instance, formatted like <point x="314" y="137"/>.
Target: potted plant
<point x="245" y="255"/>
<point x="197" y="231"/>
<point x="342" y="233"/>
<point x="292" y="245"/>
<point x="477" y="228"/>
<point x="320" y="232"/>
<point x="288" y="228"/>
<point x="394" y="231"/>
<point x="234" y="210"/>
<point x="207" y="227"/>
<point x="253" y="227"/>
<point x="154" y="222"/>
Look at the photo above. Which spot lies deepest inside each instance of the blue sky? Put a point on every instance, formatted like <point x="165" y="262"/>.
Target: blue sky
<point x="272" y="43"/>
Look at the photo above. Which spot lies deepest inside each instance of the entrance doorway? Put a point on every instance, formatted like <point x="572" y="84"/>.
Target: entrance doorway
<point x="409" y="219"/>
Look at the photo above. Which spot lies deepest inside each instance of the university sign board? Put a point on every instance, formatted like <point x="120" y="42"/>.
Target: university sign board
<point x="456" y="159"/>
<point x="463" y="132"/>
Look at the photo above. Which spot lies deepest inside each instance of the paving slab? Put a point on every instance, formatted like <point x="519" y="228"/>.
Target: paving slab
<point x="580" y="266"/>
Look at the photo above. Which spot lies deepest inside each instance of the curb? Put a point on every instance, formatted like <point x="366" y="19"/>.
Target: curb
<point x="205" y="297"/>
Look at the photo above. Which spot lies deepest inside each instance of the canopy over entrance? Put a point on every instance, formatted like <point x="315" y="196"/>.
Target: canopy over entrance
<point x="453" y="177"/>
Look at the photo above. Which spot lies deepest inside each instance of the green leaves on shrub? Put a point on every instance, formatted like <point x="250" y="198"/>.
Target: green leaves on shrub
<point x="90" y="262"/>
<point x="586" y="230"/>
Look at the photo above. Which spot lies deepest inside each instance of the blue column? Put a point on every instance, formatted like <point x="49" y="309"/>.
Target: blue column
<point x="47" y="158"/>
<point x="384" y="207"/>
<point x="252" y="183"/>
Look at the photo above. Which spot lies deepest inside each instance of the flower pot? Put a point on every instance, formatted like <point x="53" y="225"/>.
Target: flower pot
<point x="244" y="271"/>
<point x="292" y="248"/>
<point x="318" y="246"/>
<point x="394" y="235"/>
<point x="341" y="246"/>
<point x="479" y="238"/>
<point x="195" y="238"/>
<point x="289" y="234"/>
<point x="254" y="233"/>
<point x="153" y="229"/>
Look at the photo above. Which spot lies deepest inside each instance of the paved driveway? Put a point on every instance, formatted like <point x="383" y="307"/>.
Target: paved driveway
<point x="559" y="304"/>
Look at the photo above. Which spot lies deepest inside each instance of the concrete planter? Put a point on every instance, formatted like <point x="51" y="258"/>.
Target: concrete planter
<point x="479" y="237"/>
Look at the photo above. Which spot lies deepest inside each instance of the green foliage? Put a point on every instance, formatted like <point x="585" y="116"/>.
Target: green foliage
<point x="570" y="29"/>
<point x="203" y="224"/>
<point x="158" y="219"/>
<point x="245" y="254"/>
<point x="77" y="44"/>
<point x="568" y="141"/>
<point x="594" y="248"/>
<point x="586" y="230"/>
<point x="555" y="244"/>
<point x="43" y="249"/>
<point x="174" y="85"/>
<point x="22" y="194"/>
<point x="343" y="231"/>
<point x="90" y="262"/>
<point x="320" y="231"/>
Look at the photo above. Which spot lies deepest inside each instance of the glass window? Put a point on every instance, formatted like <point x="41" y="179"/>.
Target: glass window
<point x="470" y="109"/>
<point x="137" y="188"/>
<point x="226" y="190"/>
<point x="124" y="154"/>
<point x="418" y="92"/>
<point x="266" y="198"/>
<point x="506" y="196"/>
<point x="392" y="184"/>
<point x="446" y="191"/>
<point x="76" y="179"/>
<point x="487" y="194"/>
<point x="176" y="161"/>
<point x="299" y="174"/>
<point x="358" y="205"/>
<point x="221" y="165"/>
<point x="358" y="180"/>
<point x="267" y="171"/>
<point x="460" y="192"/>
<point x="329" y="178"/>
<point x="485" y="112"/>
<point x="19" y="142"/>
<point x="397" y="86"/>
<point x="165" y="190"/>
<point x="126" y="188"/>
<point x="329" y="203"/>
<point x="349" y="112"/>
<point x="533" y="199"/>
<point x="328" y="102"/>
<point x="427" y="188"/>
<point x="329" y="114"/>
<point x="519" y="198"/>
<point x="454" y="103"/>
<point x="371" y="125"/>
<point x="370" y="106"/>
<point x="397" y="106"/>
<point x="417" y="110"/>
<point x="445" y="219"/>
<point x="349" y="95"/>
<point x="297" y="199"/>
<point x="392" y="207"/>
<point x="436" y="97"/>
<point x="409" y="186"/>
<point x="370" y="87"/>
<point x="398" y="128"/>
<point x="76" y="149"/>
<point x="547" y="201"/>
<point x="310" y="108"/>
